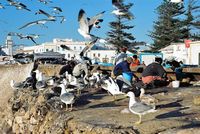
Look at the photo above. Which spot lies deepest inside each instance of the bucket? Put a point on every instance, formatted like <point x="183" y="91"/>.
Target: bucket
<point x="128" y="76"/>
<point x="175" y="84"/>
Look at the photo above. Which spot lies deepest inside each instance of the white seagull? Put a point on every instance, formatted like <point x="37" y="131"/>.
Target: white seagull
<point x="111" y="86"/>
<point x="138" y="108"/>
<point x="37" y="22"/>
<point x="57" y="10"/>
<point x="29" y="37"/>
<point x="66" y="97"/>
<point x="1" y="6"/>
<point x="50" y="17"/>
<point x="16" y="85"/>
<point x="176" y="1"/>
<point x="18" y="5"/>
<point x="147" y="98"/>
<point x="119" y="9"/>
<point x="86" y="24"/>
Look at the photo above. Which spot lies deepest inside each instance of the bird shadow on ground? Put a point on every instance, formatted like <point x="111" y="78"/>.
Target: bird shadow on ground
<point x="157" y="90"/>
<point x="191" y="124"/>
<point x="106" y="104"/>
<point x="85" y="98"/>
<point x="172" y="114"/>
<point x="170" y="105"/>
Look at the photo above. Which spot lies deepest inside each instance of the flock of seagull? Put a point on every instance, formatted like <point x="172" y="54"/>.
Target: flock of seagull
<point x="85" y="23"/>
<point x="71" y="83"/>
<point x="69" y="89"/>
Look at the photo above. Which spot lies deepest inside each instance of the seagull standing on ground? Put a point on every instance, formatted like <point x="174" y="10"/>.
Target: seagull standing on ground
<point x="15" y="85"/>
<point x="147" y="99"/>
<point x="66" y="97"/>
<point x="138" y="108"/>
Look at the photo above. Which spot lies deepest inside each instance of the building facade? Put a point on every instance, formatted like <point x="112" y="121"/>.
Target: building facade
<point x="188" y="54"/>
<point x="100" y="54"/>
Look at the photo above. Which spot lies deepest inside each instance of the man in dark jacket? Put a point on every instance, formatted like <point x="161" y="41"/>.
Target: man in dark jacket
<point x="155" y="74"/>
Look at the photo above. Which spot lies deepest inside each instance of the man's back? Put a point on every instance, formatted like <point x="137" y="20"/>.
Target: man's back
<point x="154" y="69"/>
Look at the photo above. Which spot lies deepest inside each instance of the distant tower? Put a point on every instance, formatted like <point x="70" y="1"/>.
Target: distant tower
<point x="9" y="45"/>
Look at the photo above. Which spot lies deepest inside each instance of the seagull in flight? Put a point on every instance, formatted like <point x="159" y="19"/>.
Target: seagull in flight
<point x="50" y="17"/>
<point x="18" y="5"/>
<point x="86" y="24"/>
<point x="1" y="6"/>
<point x="57" y="10"/>
<point x="45" y="1"/>
<point x="37" y="22"/>
<point x="176" y="1"/>
<point x="29" y="37"/>
<point x="120" y="10"/>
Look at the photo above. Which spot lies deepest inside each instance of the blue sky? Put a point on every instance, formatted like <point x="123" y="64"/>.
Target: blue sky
<point x="11" y="19"/>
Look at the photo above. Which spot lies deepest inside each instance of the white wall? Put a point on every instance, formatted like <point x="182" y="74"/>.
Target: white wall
<point x="181" y="53"/>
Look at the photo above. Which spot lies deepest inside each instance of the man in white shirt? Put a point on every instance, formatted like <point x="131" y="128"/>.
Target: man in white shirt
<point x="121" y="56"/>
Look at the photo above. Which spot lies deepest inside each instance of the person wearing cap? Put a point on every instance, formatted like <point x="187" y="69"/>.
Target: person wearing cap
<point x="121" y="56"/>
<point x="154" y="74"/>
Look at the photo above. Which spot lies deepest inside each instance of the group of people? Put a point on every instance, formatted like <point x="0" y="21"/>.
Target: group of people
<point x="154" y="75"/>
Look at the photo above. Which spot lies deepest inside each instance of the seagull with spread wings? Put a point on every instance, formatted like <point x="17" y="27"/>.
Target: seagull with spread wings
<point x="29" y="37"/>
<point x="50" y="17"/>
<point x="119" y="9"/>
<point x="37" y="22"/>
<point x="18" y="5"/>
<point x="1" y="6"/>
<point x="86" y="24"/>
<point x="45" y="1"/>
<point x="56" y="10"/>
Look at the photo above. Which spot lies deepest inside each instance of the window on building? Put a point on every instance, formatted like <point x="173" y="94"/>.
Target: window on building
<point x="47" y="50"/>
<point x="98" y="54"/>
<point x="94" y="55"/>
<point x="74" y="48"/>
<point x="68" y="55"/>
<point x="58" y="48"/>
<point x="80" y="48"/>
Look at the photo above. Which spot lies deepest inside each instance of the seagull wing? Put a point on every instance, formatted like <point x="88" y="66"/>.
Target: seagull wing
<point x="83" y="22"/>
<point x="88" y="46"/>
<point x="140" y="107"/>
<point x="45" y="13"/>
<point x="117" y="4"/>
<point x="57" y="8"/>
<point x="29" y="24"/>
<point x="66" y="47"/>
<point x="42" y="21"/>
<point x="94" y="19"/>
<point x="31" y="38"/>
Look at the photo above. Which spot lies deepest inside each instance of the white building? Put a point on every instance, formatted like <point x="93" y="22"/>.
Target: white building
<point x="179" y="51"/>
<point x="98" y="52"/>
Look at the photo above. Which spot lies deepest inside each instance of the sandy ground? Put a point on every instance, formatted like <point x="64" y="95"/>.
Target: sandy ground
<point x="175" y="108"/>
